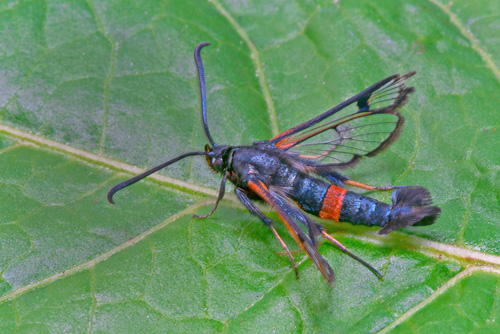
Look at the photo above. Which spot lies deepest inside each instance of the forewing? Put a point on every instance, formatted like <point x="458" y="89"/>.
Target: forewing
<point x="291" y="218"/>
<point x="362" y="126"/>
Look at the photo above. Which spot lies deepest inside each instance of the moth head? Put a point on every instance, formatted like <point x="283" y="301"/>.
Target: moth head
<point x="218" y="159"/>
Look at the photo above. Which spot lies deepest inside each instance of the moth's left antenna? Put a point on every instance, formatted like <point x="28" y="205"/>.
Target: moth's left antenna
<point x="201" y="80"/>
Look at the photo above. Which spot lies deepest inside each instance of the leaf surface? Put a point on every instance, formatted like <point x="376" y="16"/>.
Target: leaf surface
<point x="89" y="89"/>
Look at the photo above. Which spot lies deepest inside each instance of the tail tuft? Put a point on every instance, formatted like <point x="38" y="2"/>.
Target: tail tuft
<point x="411" y="206"/>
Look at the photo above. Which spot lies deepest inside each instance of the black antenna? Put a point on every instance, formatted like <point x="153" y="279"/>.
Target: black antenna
<point x="201" y="77"/>
<point x="139" y="177"/>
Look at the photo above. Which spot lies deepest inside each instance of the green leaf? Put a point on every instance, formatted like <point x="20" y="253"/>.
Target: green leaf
<point x="89" y="89"/>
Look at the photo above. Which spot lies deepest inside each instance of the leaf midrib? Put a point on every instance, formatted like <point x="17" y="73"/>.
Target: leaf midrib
<point x="103" y="161"/>
<point x="421" y="245"/>
<point x="189" y="188"/>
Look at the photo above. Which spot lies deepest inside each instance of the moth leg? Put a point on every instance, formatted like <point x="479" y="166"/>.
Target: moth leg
<point x="332" y="176"/>
<point x="283" y="209"/>
<point x="222" y="190"/>
<point x="339" y="180"/>
<point x="242" y="196"/>
<point x="370" y="188"/>
<point x="292" y="252"/>
<point x="287" y="251"/>
<point x="245" y="200"/>
<point x="348" y="252"/>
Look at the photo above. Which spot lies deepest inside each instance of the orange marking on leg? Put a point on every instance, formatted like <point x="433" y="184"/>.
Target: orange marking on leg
<point x="292" y="232"/>
<point x="368" y="187"/>
<point x="332" y="203"/>
<point x="334" y="241"/>
<point x="286" y="249"/>
<point x="359" y="185"/>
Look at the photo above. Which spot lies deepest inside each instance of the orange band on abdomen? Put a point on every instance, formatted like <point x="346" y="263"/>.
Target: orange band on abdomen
<point x="332" y="203"/>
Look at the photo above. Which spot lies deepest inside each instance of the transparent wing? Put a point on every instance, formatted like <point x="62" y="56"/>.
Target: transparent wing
<point x="363" y="125"/>
<point x="344" y="142"/>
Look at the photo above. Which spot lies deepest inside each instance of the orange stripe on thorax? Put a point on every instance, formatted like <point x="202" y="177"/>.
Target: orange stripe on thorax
<point x="332" y="203"/>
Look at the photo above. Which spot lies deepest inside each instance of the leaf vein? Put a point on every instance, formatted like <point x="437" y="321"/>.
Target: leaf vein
<point x="476" y="46"/>
<point x="101" y="160"/>
<point x="254" y="55"/>
<point x="467" y="272"/>
<point x="102" y="257"/>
